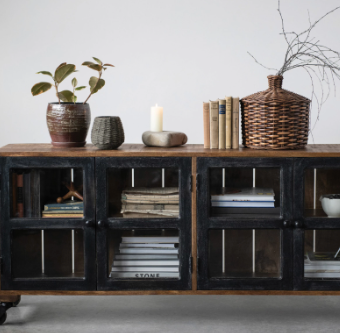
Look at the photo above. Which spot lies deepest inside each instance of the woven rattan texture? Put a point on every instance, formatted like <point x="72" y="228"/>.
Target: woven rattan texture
<point x="275" y="118"/>
<point x="107" y="132"/>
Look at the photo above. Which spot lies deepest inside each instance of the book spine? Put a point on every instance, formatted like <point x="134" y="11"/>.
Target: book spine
<point x="20" y="195"/>
<point x="27" y="195"/>
<point x="221" y="123"/>
<point x="228" y="112"/>
<point x="35" y="191"/>
<point x="214" y="125"/>
<point x="206" y="124"/>
<point x="235" y="123"/>
<point x="144" y="269"/>
<point x="144" y="275"/>
<point x="154" y="240"/>
<point x="145" y="262"/>
<point x="61" y="211"/>
<point x="148" y="251"/>
<point x="64" y="216"/>
<point x="14" y="194"/>
<point x="63" y="207"/>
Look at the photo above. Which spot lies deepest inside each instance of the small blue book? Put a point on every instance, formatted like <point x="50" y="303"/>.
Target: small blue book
<point x="67" y="205"/>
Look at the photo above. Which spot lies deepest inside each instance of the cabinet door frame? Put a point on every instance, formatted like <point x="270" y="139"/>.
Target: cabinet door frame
<point x="183" y="223"/>
<point x="205" y="222"/>
<point x="87" y="224"/>
<point x="309" y="223"/>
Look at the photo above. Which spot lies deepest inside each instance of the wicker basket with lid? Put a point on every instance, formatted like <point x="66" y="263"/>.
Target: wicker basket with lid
<point x="275" y="118"/>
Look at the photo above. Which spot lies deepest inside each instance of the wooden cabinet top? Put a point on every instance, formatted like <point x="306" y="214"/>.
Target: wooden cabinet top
<point x="140" y="150"/>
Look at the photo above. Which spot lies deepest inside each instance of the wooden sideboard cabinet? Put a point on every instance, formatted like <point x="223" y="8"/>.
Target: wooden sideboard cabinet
<point x="219" y="250"/>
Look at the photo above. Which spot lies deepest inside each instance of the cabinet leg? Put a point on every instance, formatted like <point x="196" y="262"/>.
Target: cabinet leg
<point x="4" y="306"/>
<point x="7" y="302"/>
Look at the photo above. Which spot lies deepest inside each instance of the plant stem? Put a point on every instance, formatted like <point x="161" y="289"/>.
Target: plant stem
<point x="74" y="102"/>
<point x="100" y="74"/>
<point x="56" y="88"/>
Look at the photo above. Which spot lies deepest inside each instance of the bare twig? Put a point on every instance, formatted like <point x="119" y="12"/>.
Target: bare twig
<point x="275" y="69"/>
<point x="320" y="62"/>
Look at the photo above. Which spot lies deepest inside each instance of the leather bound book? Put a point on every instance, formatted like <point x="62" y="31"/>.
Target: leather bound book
<point x="206" y="124"/>
<point x="221" y="124"/>
<point x="228" y="111"/>
<point x="235" y="123"/>
<point x="20" y="195"/>
<point x="214" y="124"/>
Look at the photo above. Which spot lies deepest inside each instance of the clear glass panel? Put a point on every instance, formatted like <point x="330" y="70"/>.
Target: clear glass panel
<point x="244" y="253"/>
<point x="47" y="253"/>
<point x="143" y="254"/>
<point x="143" y="193"/>
<point x="245" y="192"/>
<point x="321" y="182"/>
<point x="322" y="259"/>
<point x="46" y="193"/>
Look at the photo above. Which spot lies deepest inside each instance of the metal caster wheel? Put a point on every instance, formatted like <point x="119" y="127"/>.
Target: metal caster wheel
<point x="3" y="318"/>
<point x="17" y="302"/>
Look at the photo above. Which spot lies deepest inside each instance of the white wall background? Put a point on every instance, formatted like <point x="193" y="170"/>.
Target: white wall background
<point x="177" y="53"/>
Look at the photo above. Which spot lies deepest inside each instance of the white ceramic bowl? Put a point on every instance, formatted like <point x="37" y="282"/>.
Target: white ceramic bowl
<point x="331" y="204"/>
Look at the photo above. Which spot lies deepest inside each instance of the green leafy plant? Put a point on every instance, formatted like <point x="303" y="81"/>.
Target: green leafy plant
<point x="63" y="71"/>
<point x="69" y="96"/>
<point x="60" y="74"/>
<point x="96" y="83"/>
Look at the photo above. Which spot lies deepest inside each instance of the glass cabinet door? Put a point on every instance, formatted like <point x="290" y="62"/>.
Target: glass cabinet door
<point x="144" y="223"/>
<point x="243" y="218"/>
<point x="48" y="224"/>
<point x="317" y="224"/>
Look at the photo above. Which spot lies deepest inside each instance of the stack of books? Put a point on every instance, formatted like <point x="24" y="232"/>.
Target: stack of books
<point x="221" y="123"/>
<point x="322" y="265"/>
<point x="146" y="257"/>
<point x="253" y="197"/>
<point x="63" y="210"/>
<point x="142" y="202"/>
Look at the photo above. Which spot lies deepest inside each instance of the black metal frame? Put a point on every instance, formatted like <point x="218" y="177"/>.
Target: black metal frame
<point x="302" y="223"/>
<point x="87" y="224"/>
<point x="183" y="223"/>
<point x="205" y="222"/>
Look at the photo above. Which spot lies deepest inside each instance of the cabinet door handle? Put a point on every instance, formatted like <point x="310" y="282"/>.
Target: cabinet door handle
<point x="89" y="223"/>
<point x="287" y="224"/>
<point x="298" y="224"/>
<point x="101" y="224"/>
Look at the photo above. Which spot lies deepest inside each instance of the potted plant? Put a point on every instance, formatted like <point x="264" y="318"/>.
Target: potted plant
<point x="68" y="121"/>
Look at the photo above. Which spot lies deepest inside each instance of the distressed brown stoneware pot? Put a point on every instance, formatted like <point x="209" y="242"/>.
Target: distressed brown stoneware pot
<point x="68" y="123"/>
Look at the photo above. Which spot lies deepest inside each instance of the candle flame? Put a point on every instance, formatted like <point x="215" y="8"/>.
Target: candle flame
<point x="156" y="105"/>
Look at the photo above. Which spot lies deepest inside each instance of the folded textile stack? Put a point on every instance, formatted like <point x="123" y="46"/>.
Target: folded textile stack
<point x="141" y="201"/>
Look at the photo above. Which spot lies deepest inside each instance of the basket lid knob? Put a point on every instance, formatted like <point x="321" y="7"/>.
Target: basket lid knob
<point x="275" y="81"/>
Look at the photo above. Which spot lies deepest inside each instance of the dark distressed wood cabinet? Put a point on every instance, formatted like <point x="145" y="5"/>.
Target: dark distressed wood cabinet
<point x="220" y="250"/>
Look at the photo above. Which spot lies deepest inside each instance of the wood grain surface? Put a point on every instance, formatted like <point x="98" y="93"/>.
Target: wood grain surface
<point x="190" y="150"/>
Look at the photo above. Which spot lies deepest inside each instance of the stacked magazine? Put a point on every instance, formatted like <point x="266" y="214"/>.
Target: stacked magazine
<point x="143" y="201"/>
<point x="146" y="257"/>
<point x="322" y="265"/>
<point x="253" y="197"/>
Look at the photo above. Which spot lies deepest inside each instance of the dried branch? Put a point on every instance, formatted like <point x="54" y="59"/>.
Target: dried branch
<point x="261" y="64"/>
<point x="320" y="62"/>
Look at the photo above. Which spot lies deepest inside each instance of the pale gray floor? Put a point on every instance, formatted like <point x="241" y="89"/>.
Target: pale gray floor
<point x="208" y="314"/>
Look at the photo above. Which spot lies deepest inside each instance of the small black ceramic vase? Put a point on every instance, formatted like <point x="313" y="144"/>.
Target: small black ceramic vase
<point x="107" y="132"/>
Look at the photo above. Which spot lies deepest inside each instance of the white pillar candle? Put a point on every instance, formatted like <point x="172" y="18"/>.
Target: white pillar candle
<point x="156" y="119"/>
